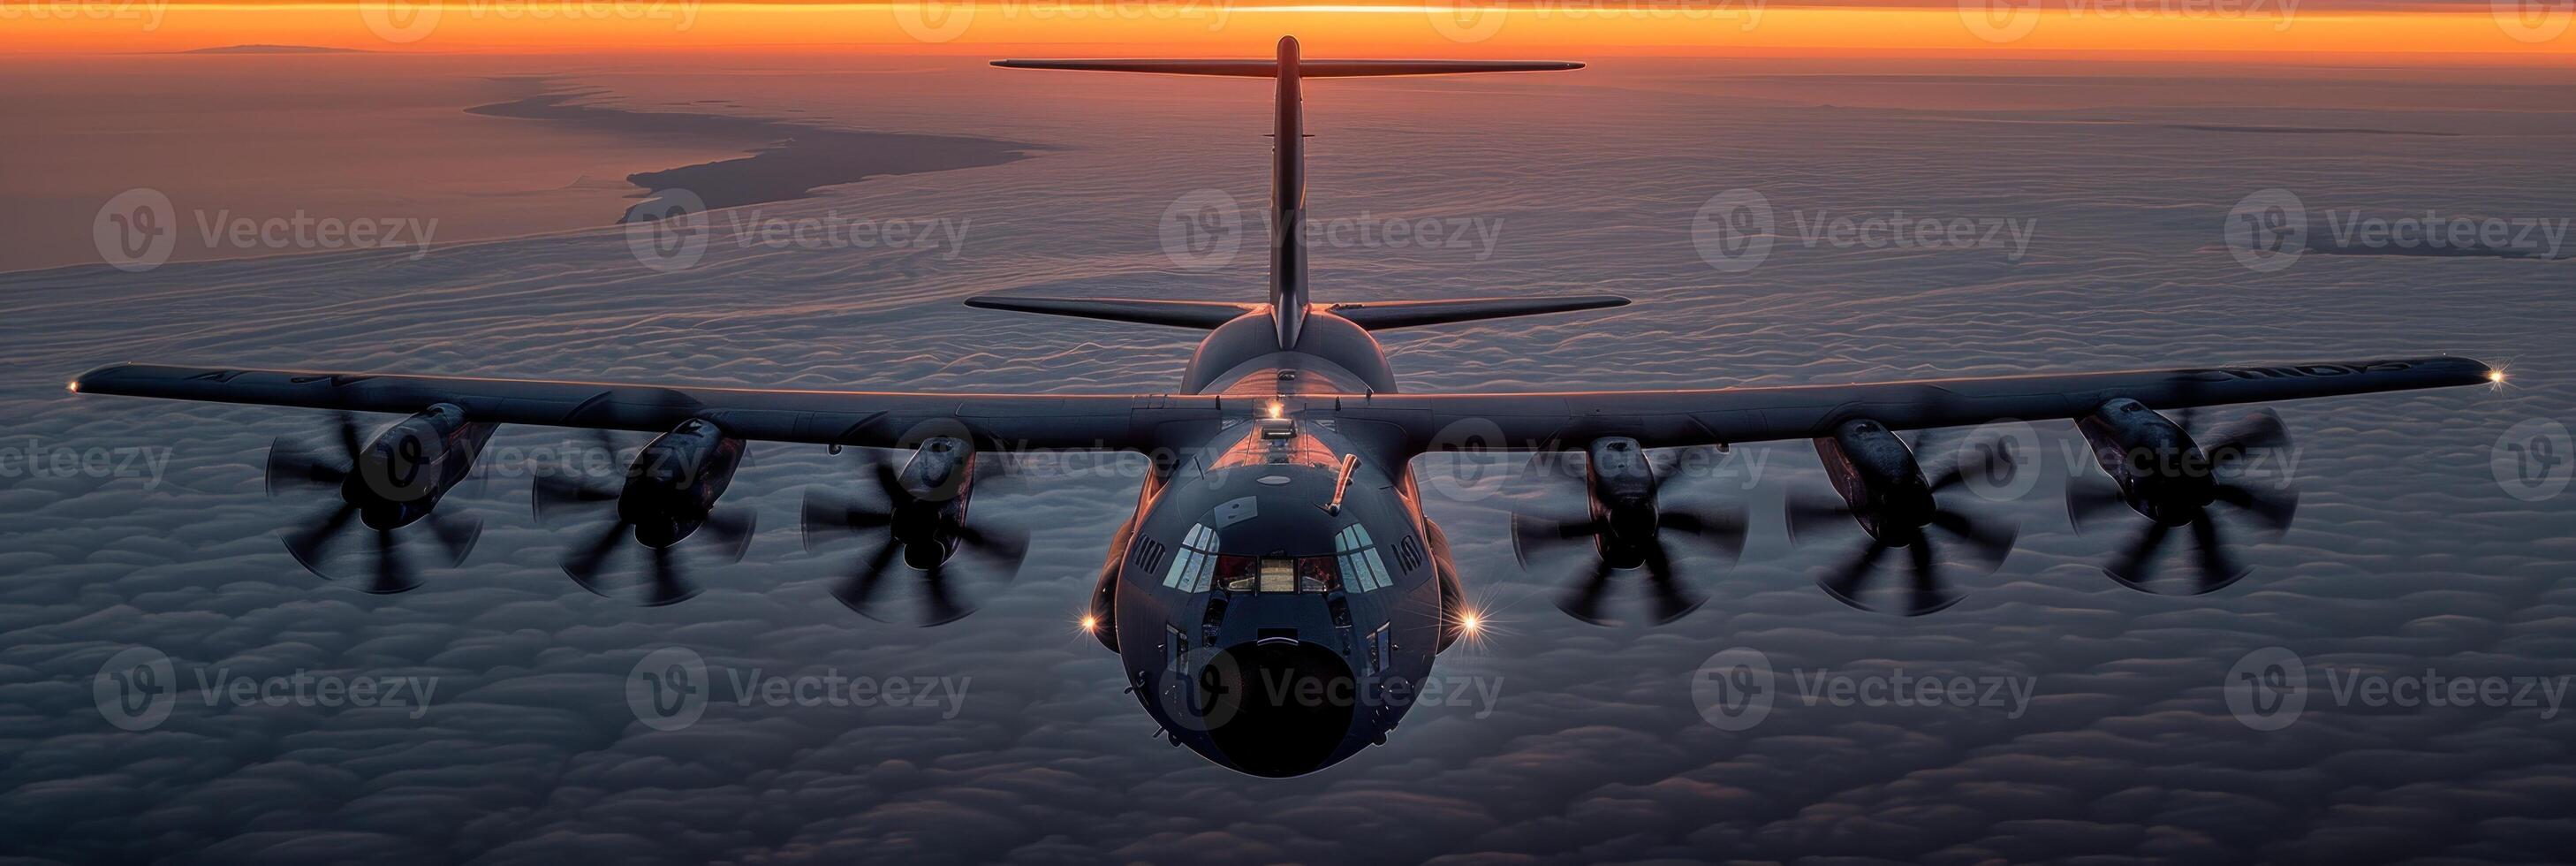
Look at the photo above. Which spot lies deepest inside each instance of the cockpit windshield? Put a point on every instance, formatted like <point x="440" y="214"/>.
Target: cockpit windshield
<point x="1355" y="566"/>
<point x="1277" y="574"/>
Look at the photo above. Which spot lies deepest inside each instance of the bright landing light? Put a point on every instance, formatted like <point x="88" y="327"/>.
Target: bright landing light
<point x="1091" y="624"/>
<point x="1468" y="623"/>
<point x="2496" y="376"/>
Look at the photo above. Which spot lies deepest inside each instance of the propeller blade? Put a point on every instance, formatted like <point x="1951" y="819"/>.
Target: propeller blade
<point x="2088" y="498"/>
<point x="669" y="584"/>
<point x="1533" y="534"/>
<point x="857" y="591"/>
<point x="455" y="532"/>
<point x="2272" y="507"/>
<point x="1844" y="583"/>
<point x="1930" y="594"/>
<point x="553" y="496"/>
<point x="731" y="530"/>
<point x="889" y="479"/>
<point x="1673" y="598"/>
<point x="1811" y="517"/>
<point x="938" y="607"/>
<point x="294" y="464"/>
<point x="1725" y="528"/>
<point x="997" y="544"/>
<point x="2133" y="566"/>
<point x="311" y="545"/>
<point x="1583" y="600"/>
<point x="583" y="565"/>
<point x="393" y="572"/>
<point x="831" y="515"/>
<point x="2218" y="567"/>
<point x="1992" y="544"/>
<point x="2260" y="430"/>
<point x="349" y="434"/>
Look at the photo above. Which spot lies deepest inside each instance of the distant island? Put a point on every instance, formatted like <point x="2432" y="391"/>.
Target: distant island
<point x="275" y="49"/>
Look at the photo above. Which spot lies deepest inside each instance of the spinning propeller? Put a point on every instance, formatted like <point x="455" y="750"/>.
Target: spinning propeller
<point x="925" y="522"/>
<point x="661" y="580"/>
<point x="1921" y="529"/>
<point x="1626" y="529"/>
<point x="2213" y="510"/>
<point x="304" y="466"/>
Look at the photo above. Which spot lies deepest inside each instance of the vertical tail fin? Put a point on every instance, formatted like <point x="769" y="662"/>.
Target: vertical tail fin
<point x="1288" y="297"/>
<point x="1288" y="200"/>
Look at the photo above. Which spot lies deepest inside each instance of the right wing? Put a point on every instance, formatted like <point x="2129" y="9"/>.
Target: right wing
<point x="1723" y="416"/>
<point x="856" y="418"/>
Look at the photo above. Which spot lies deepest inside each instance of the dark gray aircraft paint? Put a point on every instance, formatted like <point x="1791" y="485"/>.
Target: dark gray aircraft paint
<point x="1278" y="591"/>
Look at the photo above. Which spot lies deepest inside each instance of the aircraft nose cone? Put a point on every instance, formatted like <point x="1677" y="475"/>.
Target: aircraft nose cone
<point x="1280" y="709"/>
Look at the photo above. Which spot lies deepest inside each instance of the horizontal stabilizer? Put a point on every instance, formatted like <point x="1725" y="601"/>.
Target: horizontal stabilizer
<point x="1407" y="314"/>
<point x="1305" y="68"/>
<point x="1182" y="314"/>
<point x="1373" y="316"/>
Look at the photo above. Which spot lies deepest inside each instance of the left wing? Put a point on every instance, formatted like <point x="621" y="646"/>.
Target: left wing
<point x="857" y="418"/>
<point x="1661" y="419"/>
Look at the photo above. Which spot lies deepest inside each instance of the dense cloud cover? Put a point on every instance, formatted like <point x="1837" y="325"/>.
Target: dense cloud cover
<point x="2407" y="555"/>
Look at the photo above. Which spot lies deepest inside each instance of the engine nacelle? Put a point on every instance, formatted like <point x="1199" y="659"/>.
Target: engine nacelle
<point x="675" y="481"/>
<point x="401" y="474"/>
<point x="2161" y="471"/>
<point x="1621" y="484"/>
<point x="1877" y="475"/>
<point x="940" y="479"/>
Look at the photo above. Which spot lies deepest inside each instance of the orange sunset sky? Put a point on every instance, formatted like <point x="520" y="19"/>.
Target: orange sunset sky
<point x="2515" y="32"/>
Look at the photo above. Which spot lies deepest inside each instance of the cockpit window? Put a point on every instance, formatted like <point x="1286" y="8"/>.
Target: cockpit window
<point x="1197" y="562"/>
<point x="1359" y="559"/>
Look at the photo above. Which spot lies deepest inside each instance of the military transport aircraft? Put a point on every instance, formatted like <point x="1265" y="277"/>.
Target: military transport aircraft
<point x="1278" y="588"/>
